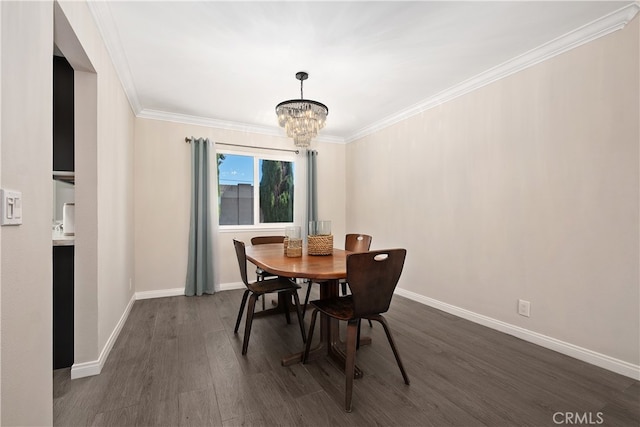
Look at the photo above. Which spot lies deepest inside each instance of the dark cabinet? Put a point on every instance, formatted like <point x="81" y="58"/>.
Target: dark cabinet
<point x="63" y="256"/>
<point x="62" y="306"/>
<point x="63" y="121"/>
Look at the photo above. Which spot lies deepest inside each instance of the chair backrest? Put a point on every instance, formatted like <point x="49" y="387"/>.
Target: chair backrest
<point x="373" y="277"/>
<point x="357" y="242"/>
<point x="263" y="240"/>
<point x="241" y="253"/>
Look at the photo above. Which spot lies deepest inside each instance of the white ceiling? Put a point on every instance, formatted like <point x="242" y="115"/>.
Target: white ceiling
<point x="371" y="63"/>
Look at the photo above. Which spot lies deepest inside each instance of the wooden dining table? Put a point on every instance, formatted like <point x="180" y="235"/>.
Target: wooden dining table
<point x="326" y="270"/>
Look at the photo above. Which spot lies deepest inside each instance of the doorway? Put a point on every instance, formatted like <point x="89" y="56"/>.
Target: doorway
<point x="85" y="130"/>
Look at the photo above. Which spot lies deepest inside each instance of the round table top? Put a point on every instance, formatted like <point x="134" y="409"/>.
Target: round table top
<point x="271" y="257"/>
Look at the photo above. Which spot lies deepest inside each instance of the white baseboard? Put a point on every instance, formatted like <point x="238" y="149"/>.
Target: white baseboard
<point x="162" y="293"/>
<point x="602" y="360"/>
<point x="87" y="369"/>
<point x="94" y="367"/>
<point x="231" y="286"/>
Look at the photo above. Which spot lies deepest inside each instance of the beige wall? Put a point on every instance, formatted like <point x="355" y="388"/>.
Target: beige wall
<point x="108" y="165"/>
<point x="0" y="228"/>
<point x="162" y="198"/>
<point x="26" y="160"/>
<point x="25" y="264"/>
<point x="526" y="188"/>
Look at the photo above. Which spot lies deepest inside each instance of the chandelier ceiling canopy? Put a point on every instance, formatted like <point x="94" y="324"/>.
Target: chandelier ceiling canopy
<point x="302" y="118"/>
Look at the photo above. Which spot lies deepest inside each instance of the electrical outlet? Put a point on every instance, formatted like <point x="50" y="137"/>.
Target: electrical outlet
<point x="524" y="308"/>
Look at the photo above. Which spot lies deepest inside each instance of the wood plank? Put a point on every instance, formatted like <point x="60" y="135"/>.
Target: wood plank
<point x="158" y="412"/>
<point x="199" y="408"/>
<point x="177" y="361"/>
<point x="121" y="417"/>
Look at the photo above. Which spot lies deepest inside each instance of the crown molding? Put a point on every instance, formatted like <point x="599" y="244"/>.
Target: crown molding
<point x="207" y="122"/>
<point x="104" y="21"/>
<point x="227" y="125"/>
<point x="588" y="32"/>
<point x="332" y="139"/>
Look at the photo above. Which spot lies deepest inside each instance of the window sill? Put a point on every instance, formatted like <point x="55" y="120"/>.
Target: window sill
<point x="241" y="228"/>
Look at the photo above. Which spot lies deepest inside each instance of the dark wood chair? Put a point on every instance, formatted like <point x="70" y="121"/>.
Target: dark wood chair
<point x="372" y="277"/>
<point x="260" y="273"/>
<point x="352" y="243"/>
<point x="355" y="243"/>
<point x="264" y="240"/>
<point x="262" y="287"/>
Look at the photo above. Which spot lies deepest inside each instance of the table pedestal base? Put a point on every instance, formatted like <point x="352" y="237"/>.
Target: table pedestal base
<point x="335" y="353"/>
<point x="330" y="343"/>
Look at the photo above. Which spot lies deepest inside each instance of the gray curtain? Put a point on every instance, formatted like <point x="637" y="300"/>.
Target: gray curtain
<point x="312" y="189"/>
<point x="200" y="269"/>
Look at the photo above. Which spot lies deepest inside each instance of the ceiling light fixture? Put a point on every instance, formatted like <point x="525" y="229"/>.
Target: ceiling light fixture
<point x="302" y="118"/>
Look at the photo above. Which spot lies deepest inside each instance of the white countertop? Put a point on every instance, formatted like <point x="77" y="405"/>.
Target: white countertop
<point x="59" y="239"/>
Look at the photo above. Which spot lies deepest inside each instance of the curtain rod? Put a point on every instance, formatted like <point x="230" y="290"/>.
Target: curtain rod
<point x="188" y="140"/>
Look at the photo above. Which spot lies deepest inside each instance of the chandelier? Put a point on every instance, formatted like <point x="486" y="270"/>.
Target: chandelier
<point x="301" y="118"/>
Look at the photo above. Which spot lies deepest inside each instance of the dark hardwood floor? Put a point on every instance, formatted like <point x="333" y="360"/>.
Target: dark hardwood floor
<point x="178" y="362"/>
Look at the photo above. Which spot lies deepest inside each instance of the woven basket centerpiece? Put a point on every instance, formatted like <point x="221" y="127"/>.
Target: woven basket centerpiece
<point x="320" y="244"/>
<point x="320" y="239"/>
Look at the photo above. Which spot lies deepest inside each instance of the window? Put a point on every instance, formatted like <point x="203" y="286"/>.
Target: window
<point x="255" y="190"/>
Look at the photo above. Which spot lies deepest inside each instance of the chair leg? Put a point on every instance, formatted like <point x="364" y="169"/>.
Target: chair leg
<point x="244" y="301"/>
<point x="260" y="278"/>
<point x="350" y="363"/>
<point x="248" y="322"/>
<point x="296" y="300"/>
<point x="393" y="347"/>
<point x="307" y="347"/>
<point x="285" y="300"/>
<point x="306" y="299"/>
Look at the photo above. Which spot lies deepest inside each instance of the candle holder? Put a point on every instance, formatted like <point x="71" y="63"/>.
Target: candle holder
<point x="292" y="241"/>
<point x="294" y="248"/>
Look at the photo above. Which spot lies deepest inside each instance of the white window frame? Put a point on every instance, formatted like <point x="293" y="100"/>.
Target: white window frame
<point x="298" y="184"/>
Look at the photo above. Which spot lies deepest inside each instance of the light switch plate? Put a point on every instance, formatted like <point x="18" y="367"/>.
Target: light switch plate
<point x="11" y="207"/>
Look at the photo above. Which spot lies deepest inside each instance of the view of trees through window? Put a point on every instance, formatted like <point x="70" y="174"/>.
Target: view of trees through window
<point x="276" y="191"/>
<point x="238" y="200"/>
